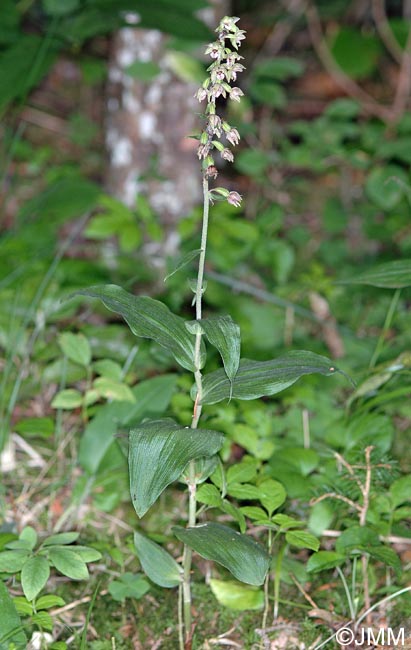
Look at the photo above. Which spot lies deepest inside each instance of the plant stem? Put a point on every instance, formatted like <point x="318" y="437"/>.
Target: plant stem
<point x="192" y="486"/>
<point x="277" y="580"/>
<point x="267" y="582"/>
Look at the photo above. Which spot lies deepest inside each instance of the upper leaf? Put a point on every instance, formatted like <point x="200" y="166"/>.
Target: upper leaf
<point x="392" y="275"/>
<point x="258" y="378"/>
<point x="159" y="565"/>
<point x="158" y="453"/>
<point x="150" y="319"/>
<point x="246" y="559"/>
<point x="224" y="334"/>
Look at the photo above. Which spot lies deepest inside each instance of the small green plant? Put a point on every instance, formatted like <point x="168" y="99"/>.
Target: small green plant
<point x="31" y="562"/>
<point x="163" y="451"/>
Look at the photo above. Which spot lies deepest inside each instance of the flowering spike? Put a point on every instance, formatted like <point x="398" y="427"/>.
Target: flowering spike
<point x="223" y="70"/>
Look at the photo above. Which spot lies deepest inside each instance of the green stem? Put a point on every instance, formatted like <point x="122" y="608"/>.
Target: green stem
<point x="386" y="327"/>
<point x="267" y="582"/>
<point x="192" y="486"/>
<point x="277" y="580"/>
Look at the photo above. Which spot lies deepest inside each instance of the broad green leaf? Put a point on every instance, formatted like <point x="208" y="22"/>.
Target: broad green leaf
<point x="234" y="512"/>
<point x="224" y="334"/>
<point x="285" y="522"/>
<point x="29" y="536"/>
<point x="113" y="390"/>
<point x="271" y="495"/>
<point x="324" y="560"/>
<point x="151" y="398"/>
<point x="143" y="70"/>
<point x="400" y="491"/>
<point x="159" y="450"/>
<point x="236" y="595"/>
<point x="356" y="538"/>
<point x="243" y="491"/>
<point x="392" y="275"/>
<point x="128" y="586"/>
<point x="76" y="348"/>
<point x="279" y="68"/>
<point x="61" y="538"/>
<point x="44" y="621"/>
<point x="150" y="319"/>
<point x="67" y="399"/>
<point x="12" y="561"/>
<point x="209" y="495"/>
<point x="301" y="539"/>
<point x="253" y="512"/>
<point x="246" y="559"/>
<point x="204" y="467"/>
<point x="69" y="563"/>
<point x="185" y="66"/>
<point x="175" y="20"/>
<point x="158" y="565"/>
<point x="356" y="52"/>
<point x="385" y="186"/>
<point x="304" y="460"/>
<point x="388" y="556"/>
<point x="87" y="553"/>
<point x="23" y="607"/>
<point x="183" y="261"/>
<point x="242" y="472"/>
<point x="17" y="73"/>
<point x="108" y="368"/>
<point x="258" y="378"/>
<point x="49" y="601"/>
<point x="34" y="576"/>
<point x="11" y="631"/>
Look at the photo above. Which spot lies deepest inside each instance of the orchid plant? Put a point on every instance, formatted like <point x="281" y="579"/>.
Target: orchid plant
<point x="163" y="451"/>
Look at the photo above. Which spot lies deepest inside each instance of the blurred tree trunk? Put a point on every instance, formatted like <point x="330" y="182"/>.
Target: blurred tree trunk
<point x="147" y="127"/>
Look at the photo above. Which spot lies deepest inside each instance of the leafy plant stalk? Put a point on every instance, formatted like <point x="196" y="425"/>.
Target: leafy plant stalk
<point x="192" y="487"/>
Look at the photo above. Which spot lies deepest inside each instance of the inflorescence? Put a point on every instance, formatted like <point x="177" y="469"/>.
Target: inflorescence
<point x="222" y="72"/>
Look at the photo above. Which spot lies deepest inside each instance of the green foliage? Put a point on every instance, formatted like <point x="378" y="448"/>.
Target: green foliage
<point x="259" y="378"/>
<point x="151" y="319"/>
<point x="241" y="555"/>
<point x="23" y="556"/>
<point x="158" y="453"/>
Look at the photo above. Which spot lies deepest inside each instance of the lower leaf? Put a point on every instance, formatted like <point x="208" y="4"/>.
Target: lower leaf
<point x="247" y="560"/>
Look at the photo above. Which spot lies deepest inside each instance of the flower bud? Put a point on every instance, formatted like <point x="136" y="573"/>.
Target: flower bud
<point x="201" y="94"/>
<point x="236" y="93"/>
<point x="203" y="150"/>
<point x="234" y="198"/>
<point x="211" y="172"/>
<point x="226" y="154"/>
<point x="233" y="136"/>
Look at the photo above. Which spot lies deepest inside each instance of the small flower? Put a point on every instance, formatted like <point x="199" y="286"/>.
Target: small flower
<point x="203" y="150"/>
<point x="218" y="90"/>
<point x="218" y="74"/>
<point x="232" y="58"/>
<point x="226" y="154"/>
<point x="232" y="73"/>
<point x="233" y="136"/>
<point x="201" y="94"/>
<point x="234" y="198"/>
<point x="214" y="125"/>
<point x="237" y="38"/>
<point x="236" y="93"/>
<point x="215" y="50"/>
<point x="211" y="172"/>
<point x="228" y="24"/>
